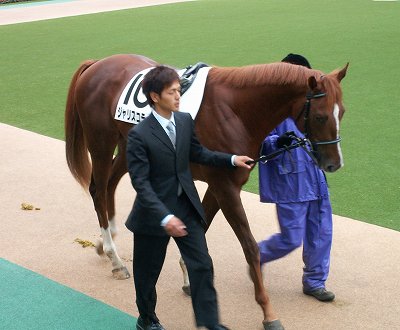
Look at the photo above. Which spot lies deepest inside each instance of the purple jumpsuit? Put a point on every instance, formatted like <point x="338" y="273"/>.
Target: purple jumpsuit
<point x="298" y="188"/>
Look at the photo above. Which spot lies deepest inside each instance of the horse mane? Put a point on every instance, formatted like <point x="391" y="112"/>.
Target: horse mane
<point x="263" y="74"/>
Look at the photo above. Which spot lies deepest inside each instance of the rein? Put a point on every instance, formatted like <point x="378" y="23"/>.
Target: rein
<point x="301" y="142"/>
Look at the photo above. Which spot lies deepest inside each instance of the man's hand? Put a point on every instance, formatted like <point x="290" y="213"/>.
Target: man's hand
<point x="175" y="227"/>
<point x="240" y="161"/>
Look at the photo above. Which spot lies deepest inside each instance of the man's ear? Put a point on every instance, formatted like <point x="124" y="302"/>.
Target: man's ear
<point x="155" y="97"/>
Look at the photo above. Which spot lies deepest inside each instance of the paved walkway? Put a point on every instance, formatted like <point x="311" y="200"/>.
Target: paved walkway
<point x="35" y="11"/>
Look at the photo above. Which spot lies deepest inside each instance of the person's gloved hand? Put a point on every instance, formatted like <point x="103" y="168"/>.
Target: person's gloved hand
<point x="285" y="139"/>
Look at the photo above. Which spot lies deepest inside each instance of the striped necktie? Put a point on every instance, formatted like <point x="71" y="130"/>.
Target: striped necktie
<point x="172" y="137"/>
<point x="171" y="133"/>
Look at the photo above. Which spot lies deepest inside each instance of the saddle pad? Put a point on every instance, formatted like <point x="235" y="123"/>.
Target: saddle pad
<point x="132" y="106"/>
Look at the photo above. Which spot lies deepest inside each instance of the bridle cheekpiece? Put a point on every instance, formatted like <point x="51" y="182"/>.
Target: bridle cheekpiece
<point x="306" y="111"/>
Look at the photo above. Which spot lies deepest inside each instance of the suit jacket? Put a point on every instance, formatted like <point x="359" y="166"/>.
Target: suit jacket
<point x="156" y="169"/>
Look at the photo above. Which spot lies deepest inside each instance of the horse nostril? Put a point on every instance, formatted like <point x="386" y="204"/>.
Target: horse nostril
<point x="332" y="168"/>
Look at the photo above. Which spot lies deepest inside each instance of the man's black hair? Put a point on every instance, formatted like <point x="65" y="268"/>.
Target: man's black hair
<point x="157" y="79"/>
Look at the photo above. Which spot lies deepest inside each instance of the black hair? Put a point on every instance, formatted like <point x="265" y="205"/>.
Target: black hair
<point x="157" y="79"/>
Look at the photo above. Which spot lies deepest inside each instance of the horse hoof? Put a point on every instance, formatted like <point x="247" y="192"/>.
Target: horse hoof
<point x="99" y="248"/>
<point x="186" y="289"/>
<point x="121" y="273"/>
<point x="273" y="325"/>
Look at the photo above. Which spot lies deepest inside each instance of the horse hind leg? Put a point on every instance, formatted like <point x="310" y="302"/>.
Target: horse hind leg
<point x="110" y="206"/>
<point x="211" y="208"/>
<point x="118" y="169"/>
<point x="98" y="190"/>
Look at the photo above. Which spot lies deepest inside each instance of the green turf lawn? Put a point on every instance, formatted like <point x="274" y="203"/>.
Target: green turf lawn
<point x="39" y="58"/>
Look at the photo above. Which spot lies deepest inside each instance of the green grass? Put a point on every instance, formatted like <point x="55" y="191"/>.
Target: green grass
<point x="38" y="59"/>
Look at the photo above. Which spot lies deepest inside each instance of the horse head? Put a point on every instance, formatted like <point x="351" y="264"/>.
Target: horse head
<point x="320" y="118"/>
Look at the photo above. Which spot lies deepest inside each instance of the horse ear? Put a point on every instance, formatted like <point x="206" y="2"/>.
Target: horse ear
<point x="342" y="73"/>
<point x="312" y="82"/>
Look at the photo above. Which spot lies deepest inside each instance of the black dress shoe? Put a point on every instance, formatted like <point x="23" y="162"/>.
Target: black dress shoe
<point x="321" y="294"/>
<point x="218" y="327"/>
<point x="149" y="325"/>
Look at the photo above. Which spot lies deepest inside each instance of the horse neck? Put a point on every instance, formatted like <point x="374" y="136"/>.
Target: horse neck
<point x="261" y="109"/>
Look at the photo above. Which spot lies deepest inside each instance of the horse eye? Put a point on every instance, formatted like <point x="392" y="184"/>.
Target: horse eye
<point x="321" y="119"/>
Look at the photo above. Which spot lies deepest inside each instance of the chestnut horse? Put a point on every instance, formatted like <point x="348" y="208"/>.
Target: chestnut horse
<point x="240" y="107"/>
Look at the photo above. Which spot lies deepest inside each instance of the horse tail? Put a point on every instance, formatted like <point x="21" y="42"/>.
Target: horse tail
<point x="76" y="149"/>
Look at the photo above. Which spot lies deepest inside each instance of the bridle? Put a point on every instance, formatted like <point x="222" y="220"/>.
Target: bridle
<point x="306" y="110"/>
<point x="301" y="142"/>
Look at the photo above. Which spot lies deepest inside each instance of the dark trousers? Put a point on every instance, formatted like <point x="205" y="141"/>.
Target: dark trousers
<point x="148" y="258"/>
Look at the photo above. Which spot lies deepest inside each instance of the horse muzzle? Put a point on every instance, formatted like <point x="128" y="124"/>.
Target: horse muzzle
<point x="329" y="161"/>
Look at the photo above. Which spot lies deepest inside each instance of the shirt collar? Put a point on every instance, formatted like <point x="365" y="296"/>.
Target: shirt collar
<point x="163" y="121"/>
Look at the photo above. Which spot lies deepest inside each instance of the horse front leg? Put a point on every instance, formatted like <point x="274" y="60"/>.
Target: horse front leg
<point x="185" y="274"/>
<point x="231" y="205"/>
<point x="98" y="192"/>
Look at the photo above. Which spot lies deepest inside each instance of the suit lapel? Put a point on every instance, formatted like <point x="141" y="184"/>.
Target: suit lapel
<point x="159" y="132"/>
<point x="180" y="127"/>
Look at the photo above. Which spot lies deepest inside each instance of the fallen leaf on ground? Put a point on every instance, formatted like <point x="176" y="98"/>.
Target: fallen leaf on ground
<point x="28" y="207"/>
<point x="84" y="243"/>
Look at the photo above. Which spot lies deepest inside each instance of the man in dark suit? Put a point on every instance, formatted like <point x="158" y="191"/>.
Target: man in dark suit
<point x="167" y="204"/>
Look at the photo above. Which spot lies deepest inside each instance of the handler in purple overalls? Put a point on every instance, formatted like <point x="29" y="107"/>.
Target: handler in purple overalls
<point x="298" y="188"/>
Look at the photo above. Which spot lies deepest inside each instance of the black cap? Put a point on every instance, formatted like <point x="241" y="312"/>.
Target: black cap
<point x="297" y="59"/>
